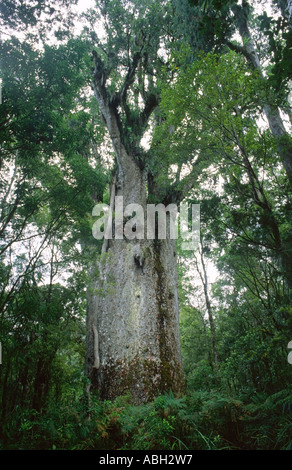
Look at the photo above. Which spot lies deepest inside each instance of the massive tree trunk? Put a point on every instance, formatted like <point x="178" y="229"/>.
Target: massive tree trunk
<point x="133" y="343"/>
<point x="133" y="340"/>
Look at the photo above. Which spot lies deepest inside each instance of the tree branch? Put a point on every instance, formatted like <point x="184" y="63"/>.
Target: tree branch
<point x="129" y="80"/>
<point x="240" y="50"/>
<point x="150" y="104"/>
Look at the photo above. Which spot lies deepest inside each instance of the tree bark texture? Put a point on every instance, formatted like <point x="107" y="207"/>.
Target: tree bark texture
<point x="282" y="139"/>
<point x="133" y="339"/>
<point x="134" y="310"/>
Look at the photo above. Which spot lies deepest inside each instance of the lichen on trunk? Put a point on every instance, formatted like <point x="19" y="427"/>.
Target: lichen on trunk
<point x="133" y="310"/>
<point x="137" y="322"/>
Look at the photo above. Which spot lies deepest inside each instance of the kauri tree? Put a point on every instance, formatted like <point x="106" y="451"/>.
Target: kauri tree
<point x="133" y="340"/>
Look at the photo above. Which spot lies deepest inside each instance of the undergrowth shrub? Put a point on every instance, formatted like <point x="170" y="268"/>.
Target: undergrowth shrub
<point x="200" y="420"/>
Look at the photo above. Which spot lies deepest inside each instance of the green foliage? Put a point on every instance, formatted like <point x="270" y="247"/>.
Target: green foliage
<point x="204" y="25"/>
<point x="199" y="421"/>
<point x="42" y="343"/>
<point x="167" y="424"/>
<point x="52" y="172"/>
<point x="49" y="170"/>
<point x="24" y="15"/>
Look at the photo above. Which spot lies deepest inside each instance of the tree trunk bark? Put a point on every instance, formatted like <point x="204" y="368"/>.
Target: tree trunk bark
<point x="204" y="279"/>
<point x="286" y="11"/>
<point x="276" y="125"/>
<point x="137" y="323"/>
<point x="133" y="339"/>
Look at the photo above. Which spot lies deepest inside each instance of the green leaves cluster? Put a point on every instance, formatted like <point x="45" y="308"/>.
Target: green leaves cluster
<point x="50" y="178"/>
<point x="212" y="129"/>
<point x="210" y="144"/>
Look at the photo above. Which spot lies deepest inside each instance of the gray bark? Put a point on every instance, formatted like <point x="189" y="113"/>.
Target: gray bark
<point x="133" y="309"/>
<point x="204" y="279"/>
<point x="286" y="11"/>
<point x="276" y="125"/>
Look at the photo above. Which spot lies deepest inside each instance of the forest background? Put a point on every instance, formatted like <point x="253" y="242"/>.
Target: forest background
<point x="222" y="120"/>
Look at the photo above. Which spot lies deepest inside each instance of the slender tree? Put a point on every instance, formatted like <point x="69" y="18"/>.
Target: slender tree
<point x="272" y="112"/>
<point x="201" y="268"/>
<point x="210" y="26"/>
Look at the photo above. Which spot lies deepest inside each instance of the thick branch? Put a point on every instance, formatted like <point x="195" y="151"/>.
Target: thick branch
<point x="129" y="80"/>
<point x="150" y="105"/>
<point x="180" y="189"/>
<point x="107" y="107"/>
<point x="240" y="50"/>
